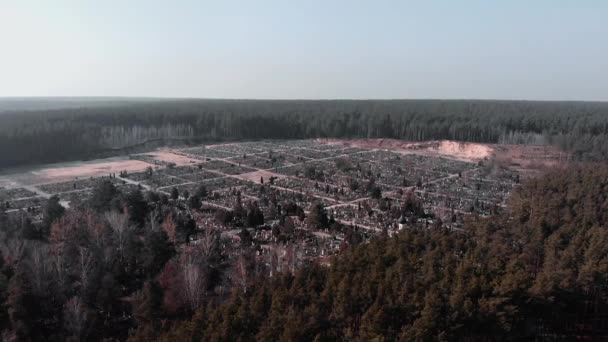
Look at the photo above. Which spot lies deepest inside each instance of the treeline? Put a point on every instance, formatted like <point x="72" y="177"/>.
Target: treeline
<point x="536" y="272"/>
<point x="67" y="134"/>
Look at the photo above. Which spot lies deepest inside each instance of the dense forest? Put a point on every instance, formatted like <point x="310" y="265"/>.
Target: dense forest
<point x="39" y="136"/>
<point x="538" y="271"/>
<point x="119" y="267"/>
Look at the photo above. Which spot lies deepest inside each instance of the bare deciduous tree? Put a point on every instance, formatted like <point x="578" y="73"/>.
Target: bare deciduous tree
<point x="193" y="280"/>
<point x="95" y="228"/>
<point x="85" y="265"/>
<point x="241" y="272"/>
<point x="120" y="226"/>
<point x="40" y="265"/>
<point x="291" y="257"/>
<point x="59" y="269"/>
<point x="75" y="319"/>
<point x="209" y="243"/>
<point x="153" y="220"/>
<point x="273" y="261"/>
<point x="13" y="251"/>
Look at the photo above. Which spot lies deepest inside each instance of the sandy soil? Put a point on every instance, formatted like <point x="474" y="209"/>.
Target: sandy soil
<point x="531" y="158"/>
<point x="528" y="159"/>
<point x="68" y="171"/>
<point x="170" y="157"/>
<point x="445" y="148"/>
<point x="466" y="151"/>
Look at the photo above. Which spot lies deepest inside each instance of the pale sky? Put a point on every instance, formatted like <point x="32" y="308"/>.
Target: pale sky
<point x="512" y="49"/>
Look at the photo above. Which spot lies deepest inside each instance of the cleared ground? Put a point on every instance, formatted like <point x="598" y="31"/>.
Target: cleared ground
<point x="60" y="172"/>
<point x="445" y="148"/>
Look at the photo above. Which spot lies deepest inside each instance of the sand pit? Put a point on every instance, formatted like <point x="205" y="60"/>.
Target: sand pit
<point x="445" y="148"/>
<point x="527" y="159"/>
<point x="92" y="170"/>
<point x="170" y="157"/>
<point x="464" y="150"/>
<point x="68" y="171"/>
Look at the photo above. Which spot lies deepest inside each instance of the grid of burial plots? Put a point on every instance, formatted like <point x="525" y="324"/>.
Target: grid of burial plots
<point x="356" y="185"/>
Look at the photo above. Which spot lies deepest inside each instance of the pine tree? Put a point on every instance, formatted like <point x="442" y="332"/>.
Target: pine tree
<point x="22" y="308"/>
<point x="52" y="212"/>
<point x="174" y="194"/>
<point x="148" y="309"/>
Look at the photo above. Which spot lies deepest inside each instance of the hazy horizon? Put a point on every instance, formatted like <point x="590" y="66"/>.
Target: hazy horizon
<point x="185" y="98"/>
<point x="541" y="51"/>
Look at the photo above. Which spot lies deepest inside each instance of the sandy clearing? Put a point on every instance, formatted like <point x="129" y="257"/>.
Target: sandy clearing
<point x="444" y="148"/>
<point x="92" y="170"/>
<point x="170" y="157"/>
<point x="527" y="159"/>
<point x="69" y="171"/>
<point x="465" y="150"/>
<point x="531" y="159"/>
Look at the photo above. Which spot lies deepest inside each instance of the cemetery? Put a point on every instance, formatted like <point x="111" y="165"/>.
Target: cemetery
<point x="306" y="192"/>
